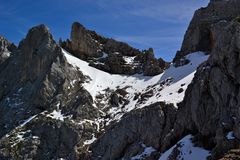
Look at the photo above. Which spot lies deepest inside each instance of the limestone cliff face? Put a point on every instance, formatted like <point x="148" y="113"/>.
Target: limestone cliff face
<point x="199" y="35"/>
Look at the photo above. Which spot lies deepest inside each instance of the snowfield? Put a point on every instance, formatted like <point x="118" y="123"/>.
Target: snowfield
<point x="174" y="78"/>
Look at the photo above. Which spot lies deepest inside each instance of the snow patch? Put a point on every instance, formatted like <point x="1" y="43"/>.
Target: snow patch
<point x="56" y="114"/>
<point x="129" y="60"/>
<point x="187" y="151"/>
<point x="230" y="135"/>
<point x="105" y="55"/>
<point x="146" y="153"/>
<point x="90" y="141"/>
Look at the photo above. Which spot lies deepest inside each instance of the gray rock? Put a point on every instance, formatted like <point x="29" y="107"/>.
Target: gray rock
<point x="119" y="141"/>
<point x="82" y="43"/>
<point x="210" y="107"/>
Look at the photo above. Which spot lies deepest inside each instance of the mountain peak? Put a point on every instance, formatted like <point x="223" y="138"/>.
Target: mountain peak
<point x="110" y="55"/>
<point x="36" y="36"/>
<point x="39" y="50"/>
<point x="77" y="25"/>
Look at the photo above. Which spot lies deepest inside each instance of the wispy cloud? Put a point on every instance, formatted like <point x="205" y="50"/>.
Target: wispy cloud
<point x="171" y="11"/>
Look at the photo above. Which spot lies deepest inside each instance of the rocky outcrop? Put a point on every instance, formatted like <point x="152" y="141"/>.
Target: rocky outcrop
<point x="199" y="36"/>
<point x="110" y="55"/>
<point x="88" y="44"/>
<point x="150" y="65"/>
<point x="82" y="44"/>
<point x="40" y="65"/>
<point x="124" y="139"/>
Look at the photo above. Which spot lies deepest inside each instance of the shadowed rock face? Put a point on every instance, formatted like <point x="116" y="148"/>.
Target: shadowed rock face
<point x="37" y="82"/>
<point x="211" y="104"/>
<point x="149" y="126"/>
<point x="38" y="51"/>
<point x="110" y="55"/>
<point x="199" y="35"/>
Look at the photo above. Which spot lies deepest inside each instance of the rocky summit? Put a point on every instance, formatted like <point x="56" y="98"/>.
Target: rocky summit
<point x="95" y="98"/>
<point x="110" y="55"/>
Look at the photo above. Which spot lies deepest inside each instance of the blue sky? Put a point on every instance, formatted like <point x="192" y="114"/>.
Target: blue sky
<point x="159" y="24"/>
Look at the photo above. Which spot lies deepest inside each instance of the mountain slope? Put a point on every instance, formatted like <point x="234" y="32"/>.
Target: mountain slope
<point x="169" y="86"/>
<point x="163" y="87"/>
<point x="35" y="99"/>
<point x="65" y="97"/>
